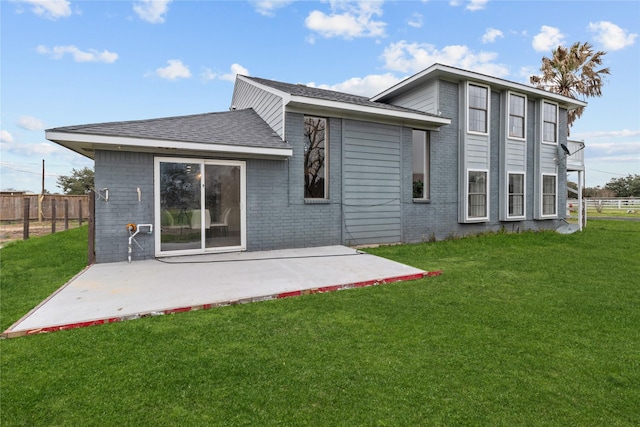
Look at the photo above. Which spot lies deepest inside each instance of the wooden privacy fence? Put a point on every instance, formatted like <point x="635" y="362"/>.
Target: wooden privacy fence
<point x="12" y="207"/>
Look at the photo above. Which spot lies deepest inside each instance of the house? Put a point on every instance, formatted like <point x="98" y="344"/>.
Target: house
<point x="446" y="152"/>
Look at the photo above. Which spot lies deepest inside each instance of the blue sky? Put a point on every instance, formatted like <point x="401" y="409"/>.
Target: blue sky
<point x="77" y="62"/>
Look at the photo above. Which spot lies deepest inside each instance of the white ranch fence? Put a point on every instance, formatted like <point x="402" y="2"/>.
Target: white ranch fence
<point x="609" y="203"/>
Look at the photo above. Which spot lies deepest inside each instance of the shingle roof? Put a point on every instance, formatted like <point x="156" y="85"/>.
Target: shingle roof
<point x="331" y="95"/>
<point x="240" y="127"/>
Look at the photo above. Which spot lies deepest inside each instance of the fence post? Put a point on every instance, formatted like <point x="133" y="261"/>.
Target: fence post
<point x="91" y="258"/>
<point x="25" y="218"/>
<point x="53" y="215"/>
<point x="66" y="214"/>
<point x="79" y="212"/>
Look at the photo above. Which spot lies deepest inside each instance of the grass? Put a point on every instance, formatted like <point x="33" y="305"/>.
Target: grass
<point x="30" y="270"/>
<point x="522" y="329"/>
<point x="611" y="212"/>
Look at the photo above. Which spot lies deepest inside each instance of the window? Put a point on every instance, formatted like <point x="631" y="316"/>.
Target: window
<point x="516" y="194"/>
<point x="516" y="115"/>
<point x="477" y="203"/>
<point x="478" y="108"/>
<point x="315" y="150"/>
<point x="550" y="123"/>
<point x="548" y="194"/>
<point x="420" y="159"/>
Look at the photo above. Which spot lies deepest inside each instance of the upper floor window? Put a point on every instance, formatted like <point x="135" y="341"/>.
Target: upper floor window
<point x="420" y="160"/>
<point x="478" y="108"/>
<point x="477" y="194"/>
<point x="550" y="123"/>
<point x="517" y="115"/>
<point x="315" y="151"/>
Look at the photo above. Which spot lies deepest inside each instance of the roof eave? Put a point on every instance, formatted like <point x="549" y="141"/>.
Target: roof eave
<point x="443" y="71"/>
<point x="306" y="104"/>
<point x="86" y="144"/>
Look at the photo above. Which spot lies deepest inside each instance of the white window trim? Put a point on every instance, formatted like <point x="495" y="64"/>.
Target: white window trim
<point x="426" y="164"/>
<point x="524" y="195"/>
<point x="326" y="160"/>
<point x="202" y="162"/>
<point x="475" y="132"/>
<point x="466" y="197"/>
<point x="522" y="95"/>
<point x="542" y="214"/>
<point x="557" y="123"/>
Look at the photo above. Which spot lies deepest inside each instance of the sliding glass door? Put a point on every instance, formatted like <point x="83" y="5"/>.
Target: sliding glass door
<point x="199" y="206"/>
<point x="222" y="206"/>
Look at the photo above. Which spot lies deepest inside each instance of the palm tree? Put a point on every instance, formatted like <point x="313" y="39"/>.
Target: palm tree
<point x="572" y="72"/>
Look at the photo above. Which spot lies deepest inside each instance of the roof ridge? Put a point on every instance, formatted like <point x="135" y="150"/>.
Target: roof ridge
<point x="306" y="86"/>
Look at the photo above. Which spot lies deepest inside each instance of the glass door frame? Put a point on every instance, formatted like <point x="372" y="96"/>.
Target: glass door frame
<point x="157" y="208"/>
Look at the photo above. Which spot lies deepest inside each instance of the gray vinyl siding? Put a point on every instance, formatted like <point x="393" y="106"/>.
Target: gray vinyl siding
<point x="475" y="150"/>
<point x="546" y="162"/>
<point x="516" y="156"/>
<point x="424" y="98"/>
<point x="548" y="157"/>
<point x="268" y="105"/>
<point x="513" y="155"/>
<point x="371" y="191"/>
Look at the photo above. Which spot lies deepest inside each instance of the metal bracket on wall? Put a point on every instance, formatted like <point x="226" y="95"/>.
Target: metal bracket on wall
<point x="103" y="193"/>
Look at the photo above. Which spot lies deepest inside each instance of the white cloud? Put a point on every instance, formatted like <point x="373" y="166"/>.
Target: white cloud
<point x="476" y="5"/>
<point x="610" y="148"/>
<point x="491" y="35"/>
<point x="268" y="8"/>
<point x="611" y="36"/>
<point x="5" y="136"/>
<point x="30" y="123"/>
<point x="78" y="55"/>
<point x="414" y="57"/>
<point x="33" y="149"/>
<point x="207" y="75"/>
<point x="364" y="86"/>
<point x="235" y="69"/>
<point x="175" y="70"/>
<point x="625" y="133"/>
<point x="50" y="9"/>
<point x="416" y="20"/>
<point x="619" y="157"/>
<point x="472" y="5"/>
<point x="547" y="39"/>
<point x="348" y="20"/>
<point x="152" y="11"/>
<point x="526" y="72"/>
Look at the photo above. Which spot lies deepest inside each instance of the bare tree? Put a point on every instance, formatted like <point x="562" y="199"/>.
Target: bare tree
<point x="314" y="157"/>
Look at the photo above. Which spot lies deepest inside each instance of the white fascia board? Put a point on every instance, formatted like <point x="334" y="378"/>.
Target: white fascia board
<point x="403" y="83"/>
<point x="439" y="70"/>
<point x="104" y="140"/>
<point x="284" y="95"/>
<point x="366" y="110"/>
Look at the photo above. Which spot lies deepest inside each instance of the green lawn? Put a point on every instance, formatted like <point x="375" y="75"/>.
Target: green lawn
<point x="520" y="330"/>
<point x="611" y="212"/>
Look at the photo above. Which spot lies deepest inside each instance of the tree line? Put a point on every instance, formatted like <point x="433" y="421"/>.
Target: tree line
<point x="628" y="186"/>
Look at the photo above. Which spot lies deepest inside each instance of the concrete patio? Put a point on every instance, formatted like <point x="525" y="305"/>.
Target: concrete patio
<point x="106" y="293"/>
